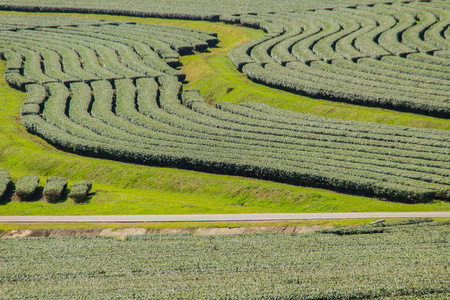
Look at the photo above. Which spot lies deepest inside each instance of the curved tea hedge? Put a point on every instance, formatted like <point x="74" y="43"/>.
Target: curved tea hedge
<point x="393" y="55"/>
<point x="179" y="9"/>
<point x="384" y="55"/>
<point x="110" y="90"/>
<point x="145" y="121"/>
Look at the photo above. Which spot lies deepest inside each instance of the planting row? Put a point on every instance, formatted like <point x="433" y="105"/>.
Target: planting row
<point x="109" y="90"/>
<point x="70" y="53"/>
<point x="368" y="264"/>
<point x="387" y="55"/>
<point x="27" y="188"/>
<point x="179" y="9"/>
<point x="392" y="55"/>
<point x="151" y="121"/>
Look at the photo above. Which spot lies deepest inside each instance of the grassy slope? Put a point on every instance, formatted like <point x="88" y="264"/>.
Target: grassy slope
<point x="132" y="189"/>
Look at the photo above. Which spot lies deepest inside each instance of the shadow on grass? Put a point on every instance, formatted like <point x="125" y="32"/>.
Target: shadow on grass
<point x="63" y="197"/>
<point x="36" y="196"/>
<point x="8" y="195"/>
<point x="85" y="200"/>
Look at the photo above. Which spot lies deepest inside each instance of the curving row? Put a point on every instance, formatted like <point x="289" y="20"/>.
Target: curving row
<point x="178" y="9"/>
<point x="72" y="51"/>
<point x="144" y="120"/>
<point x="386" y="55"/>
<point x="109" y="93"/>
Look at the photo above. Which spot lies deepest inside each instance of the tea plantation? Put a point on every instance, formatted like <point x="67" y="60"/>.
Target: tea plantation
<point x="321" y="265"/>
<point x="111" y="90"/>
<point x="110" y="93"/>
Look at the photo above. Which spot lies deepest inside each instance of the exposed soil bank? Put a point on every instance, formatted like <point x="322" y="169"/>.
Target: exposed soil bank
<point x="124" y="232"/>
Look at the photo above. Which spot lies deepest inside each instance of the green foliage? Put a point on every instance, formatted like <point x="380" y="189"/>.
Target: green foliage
<point x="229" y="139"/>
<point x="110" y="118"/>
<point x="5" y="182"/>
<point x="54" y="189"/>
<point x="14" y="60"/>
<point x="317" y="48"/>
<point x="406" y="261"/>
<point x="26" y="187"/>
<point x="139" y="189"/>
<point x="240" y="54"/>
<point x="405" y="222"/>
<point x="354" y="32"/>
<point x="178" y="9"/>
<point x="352" y="230"/>
<point x="80" y="190"/>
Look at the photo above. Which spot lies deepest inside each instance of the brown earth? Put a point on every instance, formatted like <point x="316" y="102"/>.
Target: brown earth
<point x="124" y="232"/>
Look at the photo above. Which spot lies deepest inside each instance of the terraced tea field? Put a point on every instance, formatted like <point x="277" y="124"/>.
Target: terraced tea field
<point x="112" y="90"/>
<point x="109" y="92"/>
<point x="393" y="56"/>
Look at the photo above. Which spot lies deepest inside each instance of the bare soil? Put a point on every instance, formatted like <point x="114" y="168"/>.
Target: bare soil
<point x="124" y="232"/>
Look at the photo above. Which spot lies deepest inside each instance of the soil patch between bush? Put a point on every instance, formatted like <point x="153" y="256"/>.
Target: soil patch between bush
<point x="125" y="232"/>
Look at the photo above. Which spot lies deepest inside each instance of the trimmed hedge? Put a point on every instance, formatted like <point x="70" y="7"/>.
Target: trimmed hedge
<point x="80" y="191"/>
<point x="54" y="189"/>
<point x="5" y="182"/>
<point x="26" y="187"/>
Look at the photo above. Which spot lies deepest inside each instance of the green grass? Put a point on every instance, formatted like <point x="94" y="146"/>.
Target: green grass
<point x="388" y="265"/>
<point x="122" y="188"/>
